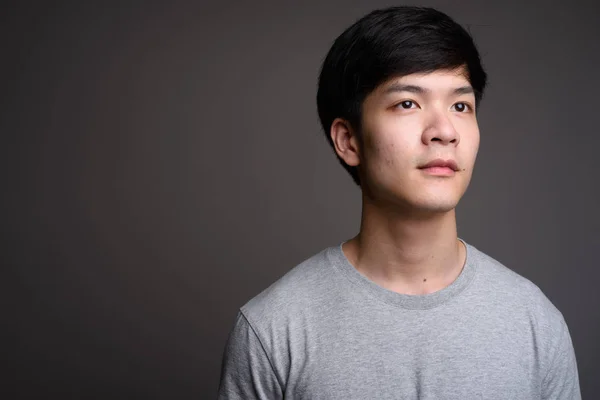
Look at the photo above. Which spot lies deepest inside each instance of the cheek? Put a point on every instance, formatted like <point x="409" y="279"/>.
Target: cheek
<point x="389" y="153"/>
<point x="469" y="137"/>
<point x="474" y="144"/>
<point x="390" y="144"/>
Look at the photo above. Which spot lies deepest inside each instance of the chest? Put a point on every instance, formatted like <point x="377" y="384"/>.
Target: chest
<point x="439" y="356"/>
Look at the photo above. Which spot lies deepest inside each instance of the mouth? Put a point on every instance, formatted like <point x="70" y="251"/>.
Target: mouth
<point x="438" y="171"/>
<point x="440" y="167"/>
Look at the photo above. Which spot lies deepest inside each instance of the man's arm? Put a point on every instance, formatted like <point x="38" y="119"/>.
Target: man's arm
<point x="562" y="379"/>
<point x="246" y="371"/>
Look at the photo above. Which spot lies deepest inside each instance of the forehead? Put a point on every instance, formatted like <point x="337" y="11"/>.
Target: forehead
<point x="436" y="81"/>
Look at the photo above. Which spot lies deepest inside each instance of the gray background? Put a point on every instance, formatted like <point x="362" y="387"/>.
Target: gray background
<point x="163" y="163"/>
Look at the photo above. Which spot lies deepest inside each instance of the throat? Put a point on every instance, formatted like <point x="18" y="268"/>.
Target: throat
<point x="412" y="281"/>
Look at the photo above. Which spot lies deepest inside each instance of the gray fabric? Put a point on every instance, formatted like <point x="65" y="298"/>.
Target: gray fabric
<point x="325" y="331"/>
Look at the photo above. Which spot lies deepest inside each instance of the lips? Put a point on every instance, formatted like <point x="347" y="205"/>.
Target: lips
<point x="438" y="162"/>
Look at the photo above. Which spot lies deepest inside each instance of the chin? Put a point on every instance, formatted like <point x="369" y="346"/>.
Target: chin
<point x="437" y="206"/>
<point x="428" y="199"/>
<point x="424" y="208"/>
<point x="440" y="208"/>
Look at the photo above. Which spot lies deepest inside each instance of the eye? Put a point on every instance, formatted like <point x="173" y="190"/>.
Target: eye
<point x="462" y="107"/>
<point x="406" y="104"/>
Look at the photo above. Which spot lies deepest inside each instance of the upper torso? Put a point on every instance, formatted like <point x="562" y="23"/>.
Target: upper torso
<point x="330" y="333"/>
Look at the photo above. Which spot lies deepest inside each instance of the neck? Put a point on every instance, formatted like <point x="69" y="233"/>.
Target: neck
<point x="407" y="253"/>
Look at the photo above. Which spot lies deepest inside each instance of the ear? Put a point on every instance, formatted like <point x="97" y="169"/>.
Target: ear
<point x="345" y="142"/>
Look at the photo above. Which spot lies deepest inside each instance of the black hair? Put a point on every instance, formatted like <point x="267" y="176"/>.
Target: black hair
<point x="385" y="44"/>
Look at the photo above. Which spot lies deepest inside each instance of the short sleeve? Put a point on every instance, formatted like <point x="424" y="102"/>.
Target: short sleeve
<point x="562" y="378"/>
<point x="246" y="371"/>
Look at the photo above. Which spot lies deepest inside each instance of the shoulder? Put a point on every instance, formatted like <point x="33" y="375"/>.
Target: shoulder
<point x="298" y="290"/>
<point x="523" y="308"/>
<point x="517" y="292"/>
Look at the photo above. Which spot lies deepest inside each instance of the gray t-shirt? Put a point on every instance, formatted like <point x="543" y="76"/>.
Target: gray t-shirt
<point x="325" y="331"/>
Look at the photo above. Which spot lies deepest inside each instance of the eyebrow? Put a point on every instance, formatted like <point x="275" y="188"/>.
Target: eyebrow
<point x="399" y="87"/>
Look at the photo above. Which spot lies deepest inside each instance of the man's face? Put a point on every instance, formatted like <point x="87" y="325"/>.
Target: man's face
<point x="408" y="122"/>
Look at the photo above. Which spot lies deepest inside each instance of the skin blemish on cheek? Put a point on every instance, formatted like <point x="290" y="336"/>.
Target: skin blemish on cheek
<point x="425" y="280"/>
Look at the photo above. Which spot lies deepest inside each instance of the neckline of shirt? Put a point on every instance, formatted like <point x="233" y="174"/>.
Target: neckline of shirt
<point x="408" y="301"/>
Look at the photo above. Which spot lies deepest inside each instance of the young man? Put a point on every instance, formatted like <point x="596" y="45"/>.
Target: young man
<point x="405" y="309"/>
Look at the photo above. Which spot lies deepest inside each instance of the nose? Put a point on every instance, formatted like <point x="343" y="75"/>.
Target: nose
<point x="439" y="128"/>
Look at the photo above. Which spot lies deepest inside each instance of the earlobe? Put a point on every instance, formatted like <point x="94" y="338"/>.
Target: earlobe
<point x="345" y="142"/>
